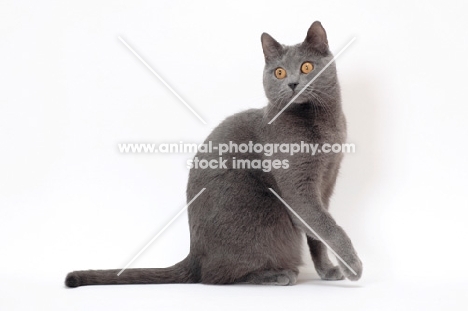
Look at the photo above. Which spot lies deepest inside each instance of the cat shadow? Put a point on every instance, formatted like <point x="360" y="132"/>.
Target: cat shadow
<point x="311" y="278"/>
<point x="321" y="283"/>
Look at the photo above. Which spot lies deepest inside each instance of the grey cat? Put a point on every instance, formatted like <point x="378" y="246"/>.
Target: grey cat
<point x="240" y="232"/>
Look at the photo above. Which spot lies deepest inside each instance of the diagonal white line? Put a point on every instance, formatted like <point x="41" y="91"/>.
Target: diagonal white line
<point x="162" y="80"/>
<point x="313" y="231"/>
<point x="313" y="79"/>
<point x="160" y="232"/>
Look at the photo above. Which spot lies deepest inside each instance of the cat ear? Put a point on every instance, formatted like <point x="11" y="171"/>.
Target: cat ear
<point x="271" y="48"/>
<point x="317" y="37"/>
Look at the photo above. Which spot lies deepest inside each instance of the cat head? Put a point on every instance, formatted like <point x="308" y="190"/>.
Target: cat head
<point x="289" y="68"/>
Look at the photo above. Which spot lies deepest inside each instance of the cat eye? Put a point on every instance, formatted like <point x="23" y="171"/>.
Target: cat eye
<point x="280" y="73"/>
<point x="307" y="67"/>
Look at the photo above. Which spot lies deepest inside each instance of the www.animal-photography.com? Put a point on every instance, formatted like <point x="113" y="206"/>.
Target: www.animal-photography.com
<point x="248" y="155"/>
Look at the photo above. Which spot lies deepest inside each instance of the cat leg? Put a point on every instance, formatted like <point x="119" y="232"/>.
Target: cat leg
<point x="324" y="267"/>
<point x="309" y="214"/>
<point x="272" y="277"/>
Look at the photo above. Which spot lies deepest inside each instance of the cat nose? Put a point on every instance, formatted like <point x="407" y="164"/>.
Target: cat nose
<point x="293" y="85"/>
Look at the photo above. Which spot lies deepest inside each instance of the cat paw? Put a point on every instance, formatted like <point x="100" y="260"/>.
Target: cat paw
<point x="282" y="280"/>
<point x="287" y="277"/>
<point x="331" y="274"/>
<point x="356" y="265"/>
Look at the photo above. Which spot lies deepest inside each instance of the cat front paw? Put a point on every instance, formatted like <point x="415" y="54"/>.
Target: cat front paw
<point x="331" y="274"/>
<point x="356" y="264"/>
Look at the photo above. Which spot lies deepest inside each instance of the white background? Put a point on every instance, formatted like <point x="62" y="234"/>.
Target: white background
<point x="71" y="91"/>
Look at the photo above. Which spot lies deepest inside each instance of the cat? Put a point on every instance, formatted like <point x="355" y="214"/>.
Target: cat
<point x="240" y="232"/>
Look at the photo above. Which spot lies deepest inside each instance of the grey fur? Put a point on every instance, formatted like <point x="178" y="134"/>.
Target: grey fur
<point x="239" y="231"/>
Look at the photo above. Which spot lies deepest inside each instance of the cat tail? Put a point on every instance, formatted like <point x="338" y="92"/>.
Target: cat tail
<point x="179" y="273"/>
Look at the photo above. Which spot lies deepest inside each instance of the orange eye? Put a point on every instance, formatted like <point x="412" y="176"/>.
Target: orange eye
<point x="307" y="67"/>
<point x="280" y="73"/>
